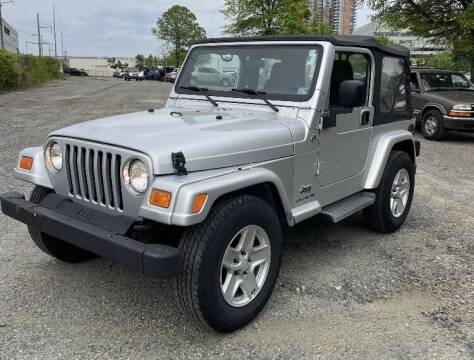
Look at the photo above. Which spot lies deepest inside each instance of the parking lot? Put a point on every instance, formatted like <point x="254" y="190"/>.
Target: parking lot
<point x="344" y="292"/>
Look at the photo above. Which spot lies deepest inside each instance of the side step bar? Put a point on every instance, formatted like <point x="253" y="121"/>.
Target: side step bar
<point x="348" y="206"/>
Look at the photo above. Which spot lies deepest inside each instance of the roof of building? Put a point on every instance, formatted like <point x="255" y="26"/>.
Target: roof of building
<point x="337" y="40"/>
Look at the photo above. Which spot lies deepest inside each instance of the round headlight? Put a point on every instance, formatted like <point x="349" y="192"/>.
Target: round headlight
<point x="54" y="156"/>
<point x="135" y="176"/>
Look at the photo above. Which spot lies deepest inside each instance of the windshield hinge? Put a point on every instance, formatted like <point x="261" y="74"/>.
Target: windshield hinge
<point x="323" y="117"/>
<point x="179" y="162"/>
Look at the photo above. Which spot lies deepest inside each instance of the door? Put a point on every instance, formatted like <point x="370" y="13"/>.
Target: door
<point x="346" y="132"/>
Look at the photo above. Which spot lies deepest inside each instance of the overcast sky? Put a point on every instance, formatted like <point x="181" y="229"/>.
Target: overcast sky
<point x="110" y="28"/>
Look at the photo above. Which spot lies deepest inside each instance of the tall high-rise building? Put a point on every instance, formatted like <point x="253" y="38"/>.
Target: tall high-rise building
<point x="341" y="14"/>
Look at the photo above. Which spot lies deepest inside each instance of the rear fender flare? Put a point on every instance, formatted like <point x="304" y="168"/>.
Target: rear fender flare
<point x="383" y="147"/>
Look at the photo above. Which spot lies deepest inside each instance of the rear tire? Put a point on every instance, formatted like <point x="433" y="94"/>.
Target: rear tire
<point x="393" y="196"/>
<point x="432" y="125"/>
<point x="216" y="256"/>
<point x="54" y="247"/>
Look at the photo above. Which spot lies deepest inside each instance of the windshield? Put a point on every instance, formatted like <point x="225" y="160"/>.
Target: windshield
<point x="445" y="81"/>
<point x="132" y="70"/>
<point x="282" y="72"/>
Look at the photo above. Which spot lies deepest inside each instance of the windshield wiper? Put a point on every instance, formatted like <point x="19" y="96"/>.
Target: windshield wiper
<point x="257" y="92"/>
<point x="202" y="91"/>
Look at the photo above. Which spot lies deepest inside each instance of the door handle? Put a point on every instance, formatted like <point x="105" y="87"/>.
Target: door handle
<point x="365" y="117"/>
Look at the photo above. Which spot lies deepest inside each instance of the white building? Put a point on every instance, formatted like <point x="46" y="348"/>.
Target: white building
<point x="417" y="46"/>
<point x="10" y="38"/>
<point x="96" y="66"/>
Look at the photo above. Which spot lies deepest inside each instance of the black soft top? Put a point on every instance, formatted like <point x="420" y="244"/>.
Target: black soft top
<point x="337" y="40"/>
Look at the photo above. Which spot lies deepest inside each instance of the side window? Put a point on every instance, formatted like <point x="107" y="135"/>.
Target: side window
<point x="392" y="85"/>
<point x="414" y="81"/>
<point x="349" y="66"/>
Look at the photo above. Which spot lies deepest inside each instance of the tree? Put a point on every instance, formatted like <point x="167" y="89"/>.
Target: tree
<point x="295" y="17"/>
<point x="140" y="61"/>
<point x="253" y="17"/>
<point x="445" y="22"/>
<point x="272" y="17"/>
<point x="150" y="62"/>
<point x="114" y="64"/>
<point x="179" y="27"/>
<point x="447" y="60"/>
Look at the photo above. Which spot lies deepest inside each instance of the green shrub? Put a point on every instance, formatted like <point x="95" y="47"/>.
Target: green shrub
<point x="20" y="71"/>
<point x="10" y="71"/>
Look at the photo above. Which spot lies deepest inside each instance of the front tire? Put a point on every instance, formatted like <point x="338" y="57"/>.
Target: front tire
<point x="52" y="246"/>
<point x="231" y="263"/>
<point x="393" y="196"/>
<point x="432" y="125"/>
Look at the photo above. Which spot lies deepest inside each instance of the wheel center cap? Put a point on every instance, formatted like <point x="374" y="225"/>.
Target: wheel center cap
<point x="244" y="264"/>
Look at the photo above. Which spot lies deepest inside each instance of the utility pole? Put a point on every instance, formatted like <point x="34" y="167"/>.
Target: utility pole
<point x="62" y="44"/>
<point x="40" y="49"/>
<point x="2" y="42"/>
<point x="54" y="26"/>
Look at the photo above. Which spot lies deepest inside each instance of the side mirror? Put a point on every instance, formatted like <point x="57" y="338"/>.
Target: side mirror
<point x="351" y="93"/>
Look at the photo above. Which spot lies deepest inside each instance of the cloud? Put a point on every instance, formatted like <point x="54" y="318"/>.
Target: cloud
<point x="110" y="28"/>
<point x="105" y="28"/>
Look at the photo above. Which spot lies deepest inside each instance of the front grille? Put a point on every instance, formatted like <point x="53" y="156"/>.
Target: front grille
<point x="94" y="175"/>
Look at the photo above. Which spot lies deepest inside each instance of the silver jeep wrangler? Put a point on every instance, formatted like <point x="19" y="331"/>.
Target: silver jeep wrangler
<point x="201" y="189"/>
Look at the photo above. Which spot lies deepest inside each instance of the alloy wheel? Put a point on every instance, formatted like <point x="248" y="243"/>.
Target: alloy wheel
<point x="400" y="192"/>
<point x="245" y="266"/>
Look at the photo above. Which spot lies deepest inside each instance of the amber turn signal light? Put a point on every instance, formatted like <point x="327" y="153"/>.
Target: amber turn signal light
<point x="160" y="198"/>
<point x="199" y="202"/>
<point x="26" y="163"/>
<point x="459" y="114"/>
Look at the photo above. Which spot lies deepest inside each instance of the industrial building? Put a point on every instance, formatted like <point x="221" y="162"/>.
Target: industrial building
<point x="417" y="46"/>
<point x="96" y="66"/>
<point x="340" y="14"/>
<point x="10" y="37"/>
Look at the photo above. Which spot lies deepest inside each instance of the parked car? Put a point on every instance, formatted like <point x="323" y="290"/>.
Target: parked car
<point x="210" y="76"/>
<point x="163" y="71"/>
<point x="172" y="75"/>
<point x="133" y="73"/>
<point x="201" y="189"/>
<point x="76" y="72"/>
<point x="151" y="74"/>
<point x="119" y="73"/>
<point x="442" y="100"/>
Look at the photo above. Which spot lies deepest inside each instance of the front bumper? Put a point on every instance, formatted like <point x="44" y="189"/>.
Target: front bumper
<point x="99" y="233"/>
<point x="458" y="123"/>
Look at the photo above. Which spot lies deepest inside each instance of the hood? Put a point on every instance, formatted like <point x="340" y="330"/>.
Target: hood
<point x="454" y="96"/>
<point x="208" y="138"/>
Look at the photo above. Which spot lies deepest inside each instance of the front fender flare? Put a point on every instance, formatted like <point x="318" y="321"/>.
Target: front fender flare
<point x="383" y="146"/>
<point x="218" y="186"/>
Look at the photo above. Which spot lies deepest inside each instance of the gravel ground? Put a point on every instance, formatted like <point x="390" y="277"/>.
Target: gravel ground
<point x="344" y="292"/>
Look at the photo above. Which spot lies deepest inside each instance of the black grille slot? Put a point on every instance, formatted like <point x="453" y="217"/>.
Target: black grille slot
<point x="94" y="175"/>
